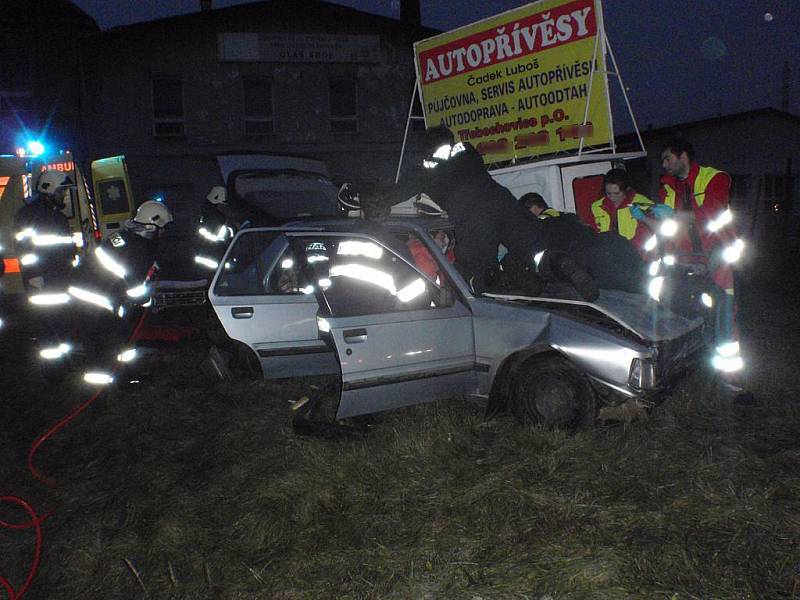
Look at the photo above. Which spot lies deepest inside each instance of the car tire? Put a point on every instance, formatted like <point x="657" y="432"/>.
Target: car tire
<point x="550" y="391"/>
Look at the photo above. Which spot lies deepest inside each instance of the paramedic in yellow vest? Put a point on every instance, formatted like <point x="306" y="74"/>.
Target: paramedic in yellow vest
<point x="699" y="197"/>
<point x="613" y="212"/>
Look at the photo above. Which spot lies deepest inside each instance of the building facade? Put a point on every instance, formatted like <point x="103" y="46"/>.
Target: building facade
<point x="303" y="77"/>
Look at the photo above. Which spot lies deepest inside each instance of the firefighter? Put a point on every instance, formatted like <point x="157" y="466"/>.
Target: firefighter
<point x="113" y="286"/>
<point x="699" y="198"/>
<point x="486" y="215"/>
<point x="214" y="229"/>
<point x="618" y="208"/>
<point x="47" y="252"/>
<point x="611" y="260"/>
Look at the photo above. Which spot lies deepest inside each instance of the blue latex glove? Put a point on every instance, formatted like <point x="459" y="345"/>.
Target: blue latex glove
<point x="661" y="211"/>
<point x="637" y="213"/>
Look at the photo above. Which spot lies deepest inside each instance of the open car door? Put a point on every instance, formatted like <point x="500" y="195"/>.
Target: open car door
<point x="113" y="193"/>
<point x="261" y="301"/>
<point x="400" y="338"/>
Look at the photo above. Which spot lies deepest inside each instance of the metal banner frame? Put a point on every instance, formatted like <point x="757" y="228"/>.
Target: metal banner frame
<point x="599" y="153"/>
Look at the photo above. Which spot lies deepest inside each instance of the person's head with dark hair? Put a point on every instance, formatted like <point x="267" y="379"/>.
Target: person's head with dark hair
<point x="676" y="157"/>
<point x="616" y="184"/>
<point x="533" y="202"/>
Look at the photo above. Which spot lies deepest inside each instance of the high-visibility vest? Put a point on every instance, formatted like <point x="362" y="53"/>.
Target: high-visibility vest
<point x="549" y="212"/>
<point x="626" y="224"/>
<point x="704" y="177"/>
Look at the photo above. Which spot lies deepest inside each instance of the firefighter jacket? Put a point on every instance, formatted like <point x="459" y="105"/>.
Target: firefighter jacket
<point x="119" y="272"/>
<point x="45" y="246"/>
<point x="702" y="209"/>
<point x="608" y="217"/>
<point x="215" y="233"/>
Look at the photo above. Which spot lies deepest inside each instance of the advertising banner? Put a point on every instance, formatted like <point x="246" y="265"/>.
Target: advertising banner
<point x="516" y="85"/>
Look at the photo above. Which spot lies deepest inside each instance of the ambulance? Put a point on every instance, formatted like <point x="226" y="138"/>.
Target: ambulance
<point x="94" y="208"/>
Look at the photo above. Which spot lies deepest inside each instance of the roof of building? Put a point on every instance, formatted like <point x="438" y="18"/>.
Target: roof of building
<point x="717" y="120"/>
<point x="280" y="9"/>
<point x="30" y="14"/>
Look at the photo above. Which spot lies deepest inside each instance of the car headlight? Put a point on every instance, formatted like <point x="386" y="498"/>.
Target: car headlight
<point x="642" y="374"/>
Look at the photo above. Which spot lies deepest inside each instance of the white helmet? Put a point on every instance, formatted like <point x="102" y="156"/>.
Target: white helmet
<point x="217" y="195"/>
<point x="51" y="180"/>
<point x="153" y="213"/>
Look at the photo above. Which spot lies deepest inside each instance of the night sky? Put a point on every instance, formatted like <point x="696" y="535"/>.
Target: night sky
<point x="720" y="58"/>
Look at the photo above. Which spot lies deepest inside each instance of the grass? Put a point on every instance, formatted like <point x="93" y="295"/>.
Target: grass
<point x="206" y="492"/>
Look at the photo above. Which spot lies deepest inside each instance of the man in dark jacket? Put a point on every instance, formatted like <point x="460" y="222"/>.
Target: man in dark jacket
<point x="610" y="258"/>
<point x="485" y="215"/>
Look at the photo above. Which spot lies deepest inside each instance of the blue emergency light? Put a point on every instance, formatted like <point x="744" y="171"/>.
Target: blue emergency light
<point x="36" y="148"/>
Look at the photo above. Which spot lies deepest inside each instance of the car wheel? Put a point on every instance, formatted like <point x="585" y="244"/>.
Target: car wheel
<point x="550" y="391"/>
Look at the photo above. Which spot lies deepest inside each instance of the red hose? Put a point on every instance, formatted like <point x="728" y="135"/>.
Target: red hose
<point x="63" y="422"/>
<point x="36" y="523"/>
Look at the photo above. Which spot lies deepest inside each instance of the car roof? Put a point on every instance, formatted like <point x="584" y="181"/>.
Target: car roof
<point x="356" y="225"/>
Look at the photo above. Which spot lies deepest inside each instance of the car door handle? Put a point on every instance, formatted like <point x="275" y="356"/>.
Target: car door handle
<point x="355" y="336"/>
<point x="242" y="312"/>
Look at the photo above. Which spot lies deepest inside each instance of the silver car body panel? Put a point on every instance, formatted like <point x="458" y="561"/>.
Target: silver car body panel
<point x="396" y="359"/>
<point x="281" y="331"/>
<point x="504" y="328"/>
<point x="641" y="315"/>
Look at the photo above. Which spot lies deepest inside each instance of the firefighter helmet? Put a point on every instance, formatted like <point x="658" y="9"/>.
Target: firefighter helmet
<point x="153" y="213"/>
<point x="217" y="195"/>
<point x="51" y="180"/>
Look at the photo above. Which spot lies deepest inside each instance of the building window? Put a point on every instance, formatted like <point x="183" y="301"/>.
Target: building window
<point x="257" y="106"/>
<point x="343" y="105"/>
<point x="168" y="117"/>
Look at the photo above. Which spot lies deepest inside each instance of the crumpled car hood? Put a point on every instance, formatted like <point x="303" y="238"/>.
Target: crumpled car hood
<point x="635" y="312"/>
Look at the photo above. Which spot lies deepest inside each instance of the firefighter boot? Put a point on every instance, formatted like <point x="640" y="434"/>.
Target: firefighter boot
<point x="563" y="266"/>
<point x="532" y="283"/>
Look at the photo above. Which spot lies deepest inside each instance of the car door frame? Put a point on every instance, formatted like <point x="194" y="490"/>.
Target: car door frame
<point x="448" y="373"/>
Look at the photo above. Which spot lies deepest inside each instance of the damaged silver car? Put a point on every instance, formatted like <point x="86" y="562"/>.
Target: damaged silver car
<point x="383" y="307"/>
